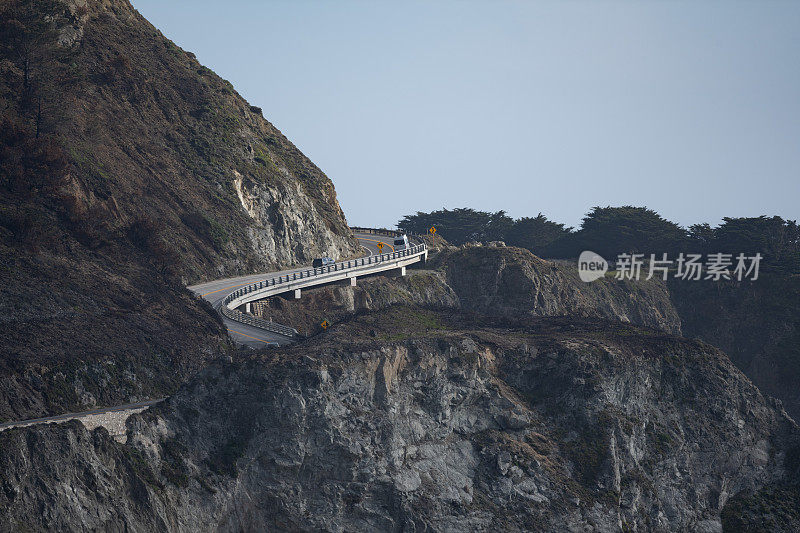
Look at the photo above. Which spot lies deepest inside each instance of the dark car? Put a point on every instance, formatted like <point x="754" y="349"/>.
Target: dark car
<point x="322" y="262"/>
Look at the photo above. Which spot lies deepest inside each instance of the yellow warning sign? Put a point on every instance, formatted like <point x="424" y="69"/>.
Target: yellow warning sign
<point x="325" y="324"/>
<point x="380" y="247"/>
<point x="432" y="230"/>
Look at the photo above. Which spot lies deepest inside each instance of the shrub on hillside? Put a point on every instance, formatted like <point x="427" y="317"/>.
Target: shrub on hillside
<point x="151" y="236"/>
<point x="208" y="229"/>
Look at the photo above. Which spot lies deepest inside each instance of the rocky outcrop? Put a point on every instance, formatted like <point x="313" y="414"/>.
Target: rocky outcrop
<point x="505" y="281"/>
<point x="405" y="420"/>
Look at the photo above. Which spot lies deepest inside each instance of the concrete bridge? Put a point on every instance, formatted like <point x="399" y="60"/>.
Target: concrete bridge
<point x="233" y="297"/>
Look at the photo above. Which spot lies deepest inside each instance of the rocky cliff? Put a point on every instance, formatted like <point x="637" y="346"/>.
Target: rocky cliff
<point x="416" y="420"/>
<point x="127" y="170"/>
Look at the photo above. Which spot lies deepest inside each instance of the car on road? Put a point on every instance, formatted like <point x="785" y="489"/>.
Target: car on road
<point x="400" y="243"/>
<point x="320" y="262"/>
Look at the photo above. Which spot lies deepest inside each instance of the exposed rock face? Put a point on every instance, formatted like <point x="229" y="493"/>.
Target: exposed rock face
<point x="283" y="218"/>
<point x="504" y="281"/>
<point x="757" y="323"/>
<point x="127" y="169"/>
<point x="396" y="420"/>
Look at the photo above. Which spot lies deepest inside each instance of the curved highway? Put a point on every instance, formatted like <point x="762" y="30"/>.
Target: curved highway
<point x="243" y="334"/>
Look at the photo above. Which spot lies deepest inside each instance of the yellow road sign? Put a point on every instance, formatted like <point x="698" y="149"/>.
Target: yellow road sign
<point x="325" y="324"/>
<point x="432" y="230"/>
<point x="380" y="247"/>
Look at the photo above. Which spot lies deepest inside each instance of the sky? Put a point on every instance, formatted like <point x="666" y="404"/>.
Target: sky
<point x="689" y="108"/>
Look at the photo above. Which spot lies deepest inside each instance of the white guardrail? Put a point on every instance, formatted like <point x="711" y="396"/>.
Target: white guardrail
<point x="352" y="268"/>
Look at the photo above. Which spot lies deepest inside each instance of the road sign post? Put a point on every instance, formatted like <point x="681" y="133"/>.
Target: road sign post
<point x="380" y="247"/>
<point x="432" y="231"/>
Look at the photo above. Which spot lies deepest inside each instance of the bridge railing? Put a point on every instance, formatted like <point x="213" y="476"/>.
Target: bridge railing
<point x="255" y="321"/>
<point x="320" y="273"/>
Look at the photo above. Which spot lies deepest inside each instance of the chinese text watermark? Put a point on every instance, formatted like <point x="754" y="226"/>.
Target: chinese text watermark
<point x="714" y="267"/>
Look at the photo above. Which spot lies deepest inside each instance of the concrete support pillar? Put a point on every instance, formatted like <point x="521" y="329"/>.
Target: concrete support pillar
<point x="247" y="308"/>
<point x="353" y="281"/>
<point x="297" y="294"/>
<point x="402" y="271"/>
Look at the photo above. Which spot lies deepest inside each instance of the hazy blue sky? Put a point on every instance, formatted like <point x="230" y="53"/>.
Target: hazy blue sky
<point x="692" y="109"/>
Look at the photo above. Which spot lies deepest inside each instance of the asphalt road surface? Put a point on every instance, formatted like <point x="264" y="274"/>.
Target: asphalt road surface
<point x="242" y="334"/>
<point x="370" y="243"/>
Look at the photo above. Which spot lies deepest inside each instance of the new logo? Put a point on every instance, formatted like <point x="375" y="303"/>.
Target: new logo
<point x="591" y="266"/>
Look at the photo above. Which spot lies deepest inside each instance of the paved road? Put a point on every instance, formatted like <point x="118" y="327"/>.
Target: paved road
<point x="370" y="243"/>
<point x="70" y="416"/>
<point x="215" y="291"/>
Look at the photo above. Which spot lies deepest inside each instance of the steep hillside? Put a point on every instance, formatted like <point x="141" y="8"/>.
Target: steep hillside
<point x="146" y="134"/>
<point x="415" y="420"/>
<point x="127" y="170"/>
